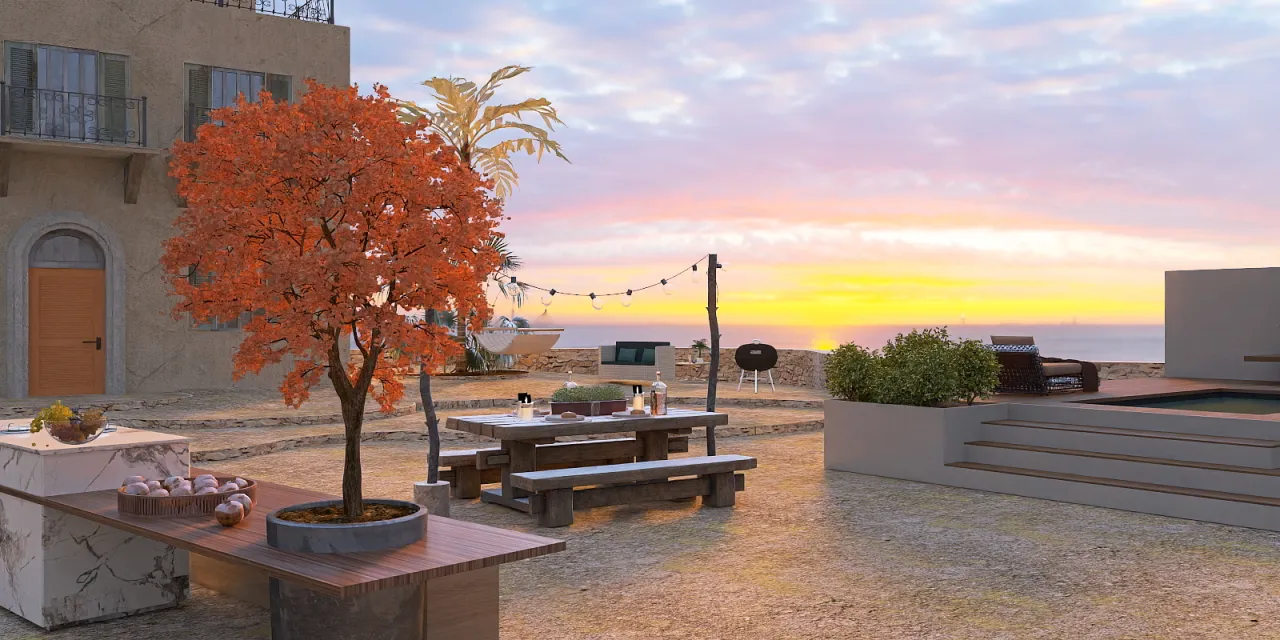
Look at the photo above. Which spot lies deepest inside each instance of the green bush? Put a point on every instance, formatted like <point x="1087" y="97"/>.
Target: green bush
<point x="924" y="368"/>
<point x="977" y="370"/>
<point x="851" y="373"/>
<point x="589" y="393"/>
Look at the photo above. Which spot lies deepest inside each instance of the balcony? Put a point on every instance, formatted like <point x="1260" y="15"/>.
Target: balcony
<point x="72" y="116"/>
<point x="70" y="122"/>
<point x="307" y="10"/>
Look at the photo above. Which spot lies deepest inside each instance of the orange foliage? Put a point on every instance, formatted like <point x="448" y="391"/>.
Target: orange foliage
<point x="330" y="216"/>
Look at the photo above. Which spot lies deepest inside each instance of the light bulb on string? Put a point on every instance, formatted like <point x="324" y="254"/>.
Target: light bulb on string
<point x="548" y="297"/>
<point x="694" y="274"/>
<point x="666" y="288"/>
<point x="597" y="303"/>
<point x="626" y="300"/>
<point x="513" y="287"/>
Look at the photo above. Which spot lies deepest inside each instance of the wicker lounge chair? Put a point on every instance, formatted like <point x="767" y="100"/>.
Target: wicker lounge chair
<point x="1024" y="370"/>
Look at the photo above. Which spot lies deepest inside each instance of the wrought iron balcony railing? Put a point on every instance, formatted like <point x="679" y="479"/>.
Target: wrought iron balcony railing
<point x="72" y="116"/>
<point x="309" y="10"/>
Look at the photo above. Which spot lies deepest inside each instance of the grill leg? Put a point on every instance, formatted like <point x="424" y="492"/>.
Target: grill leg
<point x="775" y="389"/>
<point x="756" y="373"/>
<point x="740" y="377"/>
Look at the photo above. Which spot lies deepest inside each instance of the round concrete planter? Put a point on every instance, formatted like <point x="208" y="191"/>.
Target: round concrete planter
<point x="346" y="538"/>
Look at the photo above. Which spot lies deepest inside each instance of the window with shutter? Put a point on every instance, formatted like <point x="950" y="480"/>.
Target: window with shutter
<point x="113" y="106"/>
<point x="281" y="87"/>
<point x="199" y="86"/>
<point x="20" y="74"/>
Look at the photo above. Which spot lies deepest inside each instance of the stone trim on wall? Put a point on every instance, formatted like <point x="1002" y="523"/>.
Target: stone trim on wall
<point x="17" y="289"/>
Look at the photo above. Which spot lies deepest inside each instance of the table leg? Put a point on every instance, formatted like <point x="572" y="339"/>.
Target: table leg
<point x="523" y="459"/>
<point x="653" y="445"/>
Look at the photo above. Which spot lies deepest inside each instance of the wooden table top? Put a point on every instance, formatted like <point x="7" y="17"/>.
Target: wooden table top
<point x="451" y="546"/>
<point x="508" y="427"/>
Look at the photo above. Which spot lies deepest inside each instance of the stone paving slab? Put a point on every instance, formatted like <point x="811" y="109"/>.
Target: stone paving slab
<point x="809" y="554"/>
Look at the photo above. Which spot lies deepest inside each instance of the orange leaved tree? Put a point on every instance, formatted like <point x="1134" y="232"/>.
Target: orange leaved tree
<point x="323" y="220"/>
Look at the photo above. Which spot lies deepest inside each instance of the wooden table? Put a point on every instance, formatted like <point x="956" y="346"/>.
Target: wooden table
<point x="1263" y="358"/>
<point x="520" y="439"/>
<point x="458" y="561"/>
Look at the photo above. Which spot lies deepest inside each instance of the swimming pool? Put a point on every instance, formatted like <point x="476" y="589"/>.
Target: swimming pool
<point x="1246" y="402"/>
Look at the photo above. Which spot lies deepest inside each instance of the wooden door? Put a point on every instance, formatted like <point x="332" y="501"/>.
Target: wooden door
<point x="66" y="348"/>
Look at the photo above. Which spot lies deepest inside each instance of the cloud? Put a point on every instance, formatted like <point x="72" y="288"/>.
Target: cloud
<point x="1118" y="134"/>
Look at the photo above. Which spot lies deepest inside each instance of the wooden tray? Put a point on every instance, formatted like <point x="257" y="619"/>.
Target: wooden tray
<point x="180" y="506"/>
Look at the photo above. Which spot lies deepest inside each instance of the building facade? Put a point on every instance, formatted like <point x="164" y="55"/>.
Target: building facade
<point x="94" y="93"/>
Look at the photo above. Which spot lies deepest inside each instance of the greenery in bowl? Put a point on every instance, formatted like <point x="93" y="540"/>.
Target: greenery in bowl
<point x="591" y="393"/>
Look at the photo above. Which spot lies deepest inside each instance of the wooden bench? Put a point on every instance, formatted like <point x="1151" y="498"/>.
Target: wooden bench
<point x="555" y="494"/>
<point x="467" y="469"/>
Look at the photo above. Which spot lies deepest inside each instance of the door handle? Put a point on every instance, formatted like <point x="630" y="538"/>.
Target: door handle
<point x="97" y="342"/>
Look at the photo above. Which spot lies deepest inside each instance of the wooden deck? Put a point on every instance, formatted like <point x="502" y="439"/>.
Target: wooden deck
<point x="1144" y="387"/>
<point x="451" y="546"/>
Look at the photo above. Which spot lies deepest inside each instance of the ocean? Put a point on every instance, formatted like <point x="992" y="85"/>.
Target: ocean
<point x="1094" y="342"/>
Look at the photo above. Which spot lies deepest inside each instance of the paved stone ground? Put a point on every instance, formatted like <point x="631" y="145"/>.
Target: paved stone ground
<point x="811" y="554"/>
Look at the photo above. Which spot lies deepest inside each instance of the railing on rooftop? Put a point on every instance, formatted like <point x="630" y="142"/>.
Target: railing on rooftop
<point x="309" y="10"/>
<point x="72" y="116"/>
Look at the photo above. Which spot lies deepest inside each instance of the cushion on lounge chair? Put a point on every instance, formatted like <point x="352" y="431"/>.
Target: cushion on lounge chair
<point x="1061" y="368"/>
<point x="626" y="356"/>
<point x="1009" y="340"/>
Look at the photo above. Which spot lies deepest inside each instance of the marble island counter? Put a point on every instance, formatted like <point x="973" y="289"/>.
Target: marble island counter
<point x="57" y="569"/>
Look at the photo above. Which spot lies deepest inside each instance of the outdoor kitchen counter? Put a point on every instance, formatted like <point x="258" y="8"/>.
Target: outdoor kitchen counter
<point x="58" y="569"/>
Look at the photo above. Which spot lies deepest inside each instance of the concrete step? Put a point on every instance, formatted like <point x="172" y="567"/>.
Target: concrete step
<point x="1163" y="471"/>
<point x="1245" y="452"/>
<point x="1236" y="509"/>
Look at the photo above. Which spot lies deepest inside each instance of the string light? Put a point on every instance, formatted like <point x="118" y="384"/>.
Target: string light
<point x="598" y="300"/>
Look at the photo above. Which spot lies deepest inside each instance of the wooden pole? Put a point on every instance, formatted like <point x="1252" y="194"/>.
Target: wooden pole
<point x="713" y="268"/>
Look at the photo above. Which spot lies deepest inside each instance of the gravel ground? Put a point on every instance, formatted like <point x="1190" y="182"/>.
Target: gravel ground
<point x="811" y="554"/>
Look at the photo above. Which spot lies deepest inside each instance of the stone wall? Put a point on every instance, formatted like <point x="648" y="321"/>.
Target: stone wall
<point x="1122" y="370"/>
<point x="796" y="367"/>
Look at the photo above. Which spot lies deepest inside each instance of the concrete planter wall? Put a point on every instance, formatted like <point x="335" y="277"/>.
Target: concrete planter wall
<point x="896" y="441"/>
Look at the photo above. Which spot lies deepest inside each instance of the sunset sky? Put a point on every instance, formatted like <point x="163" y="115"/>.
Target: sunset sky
<point x="872" y="162"/>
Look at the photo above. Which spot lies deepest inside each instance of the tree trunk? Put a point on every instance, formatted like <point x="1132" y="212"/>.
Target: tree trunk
<point x="352" y="399"/>
<point x="713" y="378"/>
<point x="433" y="426"/>
<point x="352" y="477"/>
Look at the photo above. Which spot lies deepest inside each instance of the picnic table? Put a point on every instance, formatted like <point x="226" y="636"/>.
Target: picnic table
<point x="528" y="445"/>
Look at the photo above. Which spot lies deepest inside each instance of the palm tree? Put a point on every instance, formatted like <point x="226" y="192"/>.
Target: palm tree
<point x="464" y="120"/>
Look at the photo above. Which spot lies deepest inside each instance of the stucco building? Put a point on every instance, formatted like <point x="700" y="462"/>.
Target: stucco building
<point x="94" y="94"/>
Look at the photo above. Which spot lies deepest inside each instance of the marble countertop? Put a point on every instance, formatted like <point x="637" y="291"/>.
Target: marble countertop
<point x="43" y="444"/>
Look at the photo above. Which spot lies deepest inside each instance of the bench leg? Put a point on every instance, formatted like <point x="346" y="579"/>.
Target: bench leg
<point x="557" y="508"/>
<point x="722" y="491"/>
<point x="466" y="482"/>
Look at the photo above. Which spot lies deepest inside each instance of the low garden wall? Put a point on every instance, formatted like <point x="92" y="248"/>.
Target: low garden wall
<point x="796" y="367"/>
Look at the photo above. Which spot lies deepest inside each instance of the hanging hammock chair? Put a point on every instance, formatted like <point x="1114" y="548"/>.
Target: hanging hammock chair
<point x="509" y="341"/>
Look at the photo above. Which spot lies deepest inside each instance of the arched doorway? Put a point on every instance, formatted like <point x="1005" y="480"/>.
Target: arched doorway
<point x="66" y="302"/>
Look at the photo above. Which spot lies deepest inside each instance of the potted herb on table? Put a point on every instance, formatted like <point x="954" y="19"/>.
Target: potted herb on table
<point x="591" y="400"/>
<point x="348" y="218"/>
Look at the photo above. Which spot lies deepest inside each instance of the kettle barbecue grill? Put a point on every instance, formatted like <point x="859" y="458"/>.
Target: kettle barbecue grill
<point x="756" y="357"/>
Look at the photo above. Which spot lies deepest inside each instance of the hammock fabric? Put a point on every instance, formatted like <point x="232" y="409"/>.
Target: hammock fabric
<point x="517" y="342"/>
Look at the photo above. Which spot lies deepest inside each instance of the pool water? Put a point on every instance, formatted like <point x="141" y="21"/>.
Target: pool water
<point x="1216" y="401"/>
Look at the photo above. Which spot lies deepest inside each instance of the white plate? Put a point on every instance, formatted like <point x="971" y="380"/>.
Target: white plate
<point x="628" y="414"/>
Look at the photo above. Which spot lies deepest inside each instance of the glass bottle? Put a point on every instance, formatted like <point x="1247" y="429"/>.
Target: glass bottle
<point x="569" y="384"/>
<point x="658" y="393"/>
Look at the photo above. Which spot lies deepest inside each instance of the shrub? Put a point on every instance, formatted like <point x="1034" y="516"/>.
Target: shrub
<point x="851" y="373"/>
<point x="917" y="369"/>
<point x="589" y="393"/>
<point x="977" y="370"/>
<point x="924" y="368"/>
